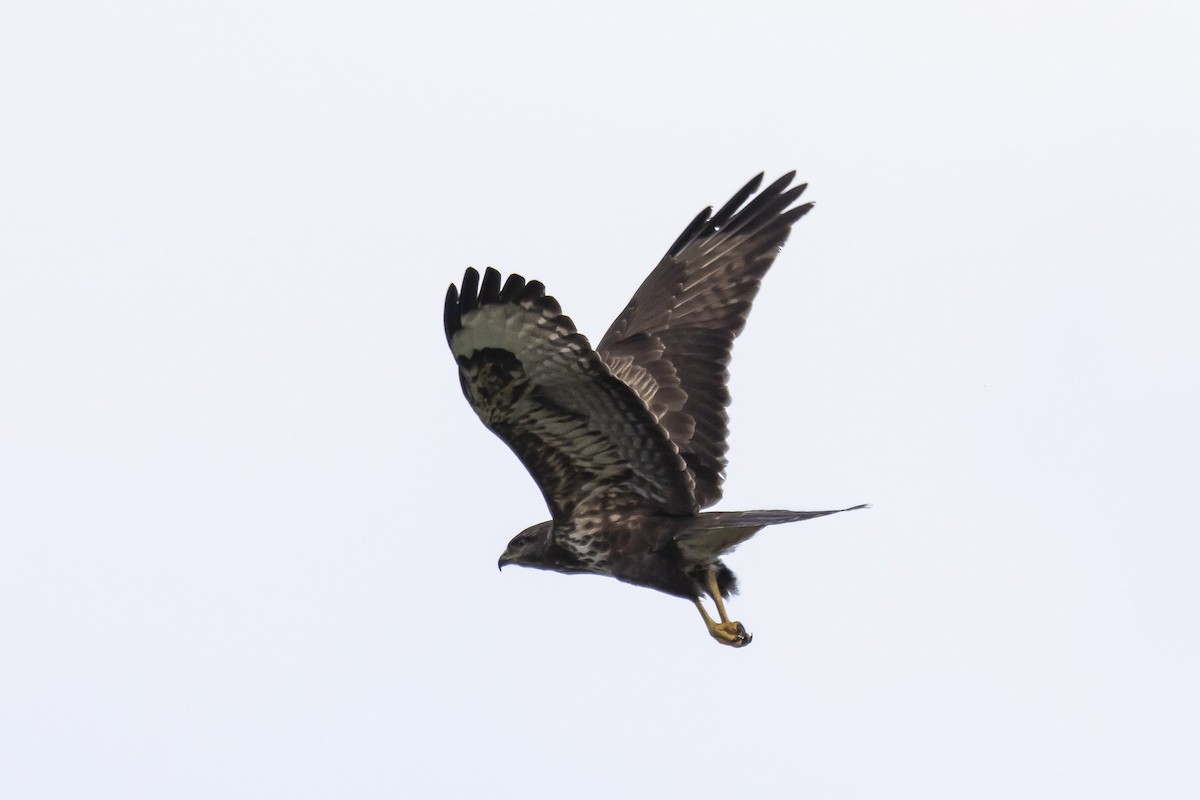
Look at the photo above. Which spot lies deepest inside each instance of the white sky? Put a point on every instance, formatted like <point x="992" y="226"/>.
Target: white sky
<point x="249" y="527"/>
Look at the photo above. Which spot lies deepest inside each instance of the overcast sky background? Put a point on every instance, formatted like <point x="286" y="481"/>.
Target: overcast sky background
<point x="249" y="527"/>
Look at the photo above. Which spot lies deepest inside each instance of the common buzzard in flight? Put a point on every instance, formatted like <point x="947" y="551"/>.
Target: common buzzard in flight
<point x="627" y="440"/>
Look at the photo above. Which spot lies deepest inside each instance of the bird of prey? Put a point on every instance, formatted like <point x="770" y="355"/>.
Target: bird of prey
<point x="627" y="440"/>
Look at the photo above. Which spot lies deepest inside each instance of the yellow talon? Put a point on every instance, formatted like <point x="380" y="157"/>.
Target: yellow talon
<point x="728" y="632"/>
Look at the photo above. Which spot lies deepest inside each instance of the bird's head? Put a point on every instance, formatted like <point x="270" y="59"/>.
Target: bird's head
<point x="530" y="547"/>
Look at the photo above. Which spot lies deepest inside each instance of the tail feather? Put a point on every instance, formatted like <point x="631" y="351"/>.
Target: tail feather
<point x="717" y="532"/>
<point x="741" y="519"/>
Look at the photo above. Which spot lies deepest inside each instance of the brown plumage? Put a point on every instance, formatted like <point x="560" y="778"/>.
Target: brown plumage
<point x="627" y="442"/>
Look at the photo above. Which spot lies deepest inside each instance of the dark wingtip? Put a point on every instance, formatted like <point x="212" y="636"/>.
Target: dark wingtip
<point x="469" y="295"/>
<point x="772" y="201"/>
<point x="792" y="214"/>
<point x="512" y="288"/>
<point x="781" y="183"/>
<point x="489" y="290"/>
<point x="731" y="207"/>
<point x="693" y="229"/>
<point x="477" y="291"/>
<point x="453" y="319"/>
<point x="534" y="290"/>
<point x="857" y="507"/>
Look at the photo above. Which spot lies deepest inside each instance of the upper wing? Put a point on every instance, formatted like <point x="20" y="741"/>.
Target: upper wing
<point x="538" y="385"/>
<point x="672" y="342"/>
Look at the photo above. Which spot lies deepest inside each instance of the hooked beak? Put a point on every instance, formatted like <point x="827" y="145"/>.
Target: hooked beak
<point x="503" y="562"/>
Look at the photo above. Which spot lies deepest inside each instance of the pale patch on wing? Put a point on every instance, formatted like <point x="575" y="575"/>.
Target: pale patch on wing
<point x="490" y="326"/>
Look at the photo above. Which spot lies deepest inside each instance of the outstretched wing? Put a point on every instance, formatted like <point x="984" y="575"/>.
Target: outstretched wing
<point x="538" y="385"/>
<point x="672" y="342"/>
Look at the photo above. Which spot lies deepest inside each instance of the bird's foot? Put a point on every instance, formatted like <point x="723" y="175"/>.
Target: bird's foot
<point x="731" y="633"/>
